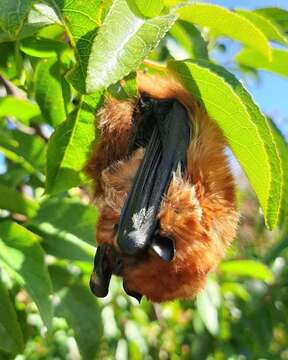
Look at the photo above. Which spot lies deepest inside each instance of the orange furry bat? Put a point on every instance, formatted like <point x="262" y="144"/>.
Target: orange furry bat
<point x="195" y="219"/>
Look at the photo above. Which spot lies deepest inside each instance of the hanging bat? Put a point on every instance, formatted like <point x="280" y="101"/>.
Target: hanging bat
<point x="165" y="192"/>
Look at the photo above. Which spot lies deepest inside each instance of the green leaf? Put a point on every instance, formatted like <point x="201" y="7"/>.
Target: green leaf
<point x="22" y="110"/>
<point x="14" y="201"/>
<point x="13" y="14"/>
<point x="190" y="38"/>
<point x="70" y="145"/>
<point x="82" y="312"/>
<point x="144" y="8"/>
<point x="207" y="309"/>
<point x="236" y="289"/>
<point x="42" y="48"/>
<point x="11" y="338"/>
<point x="22" y="256"/>
<point x="277" y="15"/>
<point x="81" y="20"/>
<point x="42" y="13"/>
<point x="227" y="23"/>
<point x="268" y="28"/>
<point x="124" y="89"/>
<point x="283" y="150"/>
<point x="18" y="159"/>
<point x="246" y="268"/>
<point x="67" y="228"/>
<point x="7" y="60"/>
<point x="70" y="216"/>
<point x="246" y="129"/>
<point x="28" y="150"/>
<point x="49" y="90"/>
<point x="253" y="59"/>
<point x="26" y="31"/>
<point x="121" y="44"/>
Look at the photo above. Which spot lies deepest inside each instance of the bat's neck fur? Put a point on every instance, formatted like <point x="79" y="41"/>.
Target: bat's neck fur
<point x="198" y="211"/>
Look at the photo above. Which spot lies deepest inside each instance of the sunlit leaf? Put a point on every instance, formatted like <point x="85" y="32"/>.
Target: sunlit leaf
<point x="224" y="22"/>
<point x="146" y="8"/>
<point x="236" y="289"/>
<point x="22" y="256"/>
<point x="81" y="20"/>
<point x="11" y="338"/>
<point x="49" y="91"/>
<point x="20" y="109"/>
<point x="253" y="59"/>
<point x="14" y="201"/>
<point x="246" y="268"/>
<point x="67" y="228"/>
<point x="268" y="28"/>
<point x="277" y="15"/>
<point x="246" y="129"/>
<point x="41" y="47"/>
<point x="70" y="145"/>
<point x="121" y="44"/>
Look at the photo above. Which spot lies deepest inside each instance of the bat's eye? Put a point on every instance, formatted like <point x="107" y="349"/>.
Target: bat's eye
<point x="146" y="104"/>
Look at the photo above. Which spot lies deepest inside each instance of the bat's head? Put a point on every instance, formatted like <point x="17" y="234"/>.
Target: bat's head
<point x="165" y="220"/>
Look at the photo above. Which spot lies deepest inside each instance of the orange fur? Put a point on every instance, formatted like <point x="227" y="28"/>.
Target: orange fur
<point x="198" y="211"/>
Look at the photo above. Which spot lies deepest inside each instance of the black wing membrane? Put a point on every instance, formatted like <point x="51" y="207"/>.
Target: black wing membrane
<point x="166" y="150"/>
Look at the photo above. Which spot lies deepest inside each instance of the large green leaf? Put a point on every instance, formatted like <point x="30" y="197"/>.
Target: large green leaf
<point x="21" y="109"/>
<point x="11" y="338"/>
<point x="224" y="22"/>
<point x="67" y="228"/>
<point x="81" y="311"/>
<point x="246" y="268"/>
<point x="253" y="59"/>
<point x="268" y="28"/>
<point x="70" y="145"/>
<point x="277" y="15"/>
<point x="49" y="91"/>
<point x="22" y="256"/>
<point x="81" y="20"/>
<point x="14" y="201"/>
<point x="13" y="14"/>
<point x="247" y="131"/>
<point x="121" y="44"/>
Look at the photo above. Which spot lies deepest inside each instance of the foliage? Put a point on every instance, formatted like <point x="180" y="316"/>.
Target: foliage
<point x="59" y="59"/>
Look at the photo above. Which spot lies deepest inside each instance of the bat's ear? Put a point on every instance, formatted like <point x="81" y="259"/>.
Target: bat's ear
<point x="164" y="247"/>
<point x="101" y="275"/>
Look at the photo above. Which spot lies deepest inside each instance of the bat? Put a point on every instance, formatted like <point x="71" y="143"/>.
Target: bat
<point x="166" y="194"/>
